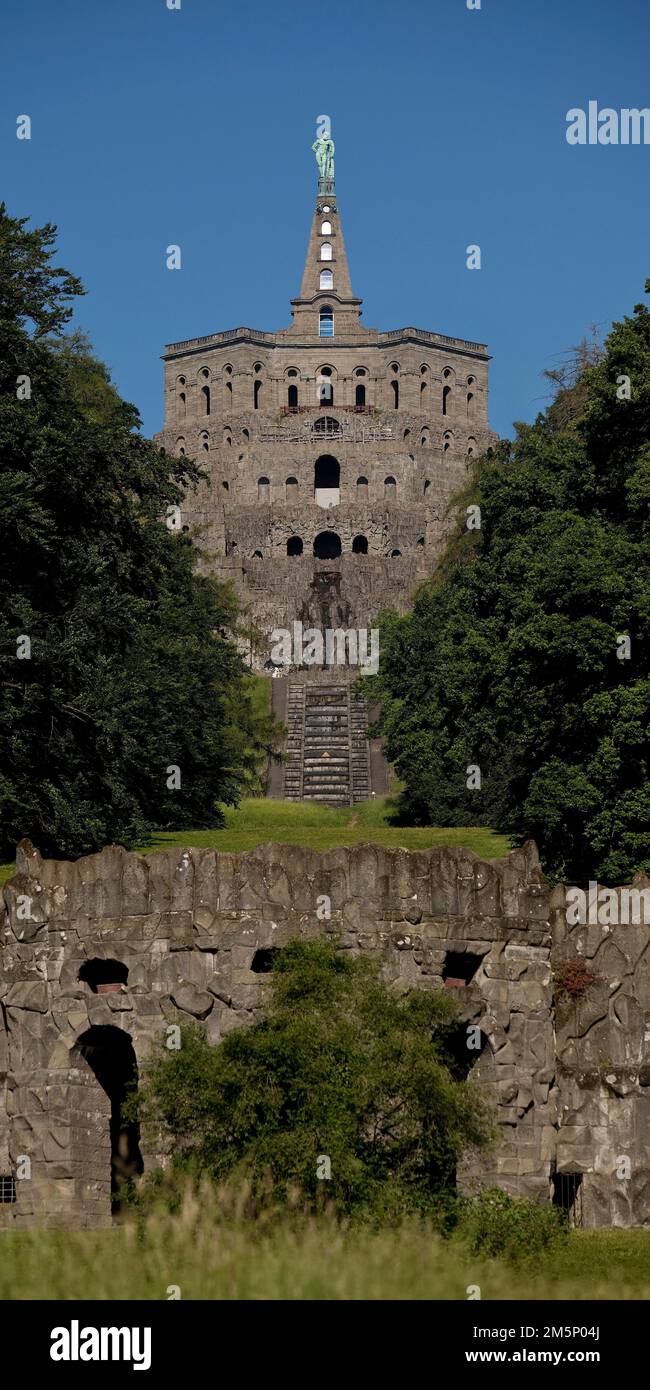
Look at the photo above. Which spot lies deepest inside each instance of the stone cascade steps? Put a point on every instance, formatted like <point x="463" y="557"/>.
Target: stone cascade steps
<point x="327" y="745"/>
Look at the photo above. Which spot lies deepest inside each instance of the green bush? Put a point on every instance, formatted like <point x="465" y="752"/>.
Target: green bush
<point x="342" y="1097"/>
<point x="513" y="1228"/>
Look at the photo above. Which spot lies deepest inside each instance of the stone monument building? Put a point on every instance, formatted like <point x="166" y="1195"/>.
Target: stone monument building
<point x="332" y="451"/>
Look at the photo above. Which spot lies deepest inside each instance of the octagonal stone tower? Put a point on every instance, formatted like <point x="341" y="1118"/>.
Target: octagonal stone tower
<point x="332" y="451"/>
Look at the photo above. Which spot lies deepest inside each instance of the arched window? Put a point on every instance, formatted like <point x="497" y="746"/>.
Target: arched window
<point x="294" y="545"/>
<point x="257" y="555"/>
<point x="359" y="395"/>
<point x="427" y="487"/>
<point x="326" y="251"/>
<point x="263" y="490"/>
<point x="182" y="402"/>
<point x="326" y="280"/>
<point x="471" y="447"/>
<point x="326" y="322"/>
<point x="180" y="447"/>
<point x="325" y="392"/>
<point x="406" y="434"/>
<point x="326" y="229"/>
<point x="227" y="435"/>
<point x="326" y="424"/>
<point x="424" y="393"/>
<point x="291" y="489"/>
<point x="360" y="545"/>
<point x="446" y="441"/>
<point x="257" y="387"/>
<point x="362" y="488"/>
<point x="225" y="486"/>
<point x="205" y="392"/>
<point x="390" y="487"/>
<point x="394" y="554"/>
<point x="327" y="477"/>
<point x="470" y="394"/>
<point x="292" y="397"/>
<point x="205" y="441"/>
<point x="446" y="400"/>
<point x="420" y="542"/>
<point x="424" y="439"/>
<point x="292" y="371"/>
<point x="327" y="546"/>
<point x="394" y="385"/>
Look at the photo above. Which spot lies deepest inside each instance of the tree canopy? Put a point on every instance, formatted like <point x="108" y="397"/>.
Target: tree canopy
<point x="345" y="1091"/>
<point x="513" y="660"/>
<point x="129" y="670"/>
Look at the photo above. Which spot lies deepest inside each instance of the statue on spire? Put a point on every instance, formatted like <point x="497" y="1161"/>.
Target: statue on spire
<point x="323" y="148"/>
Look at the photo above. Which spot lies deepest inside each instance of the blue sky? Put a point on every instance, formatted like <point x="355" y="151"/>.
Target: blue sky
<point x="194" y="126"/>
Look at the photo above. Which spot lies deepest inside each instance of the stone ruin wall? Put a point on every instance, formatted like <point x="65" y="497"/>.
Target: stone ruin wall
<point x="569" y="1081"/>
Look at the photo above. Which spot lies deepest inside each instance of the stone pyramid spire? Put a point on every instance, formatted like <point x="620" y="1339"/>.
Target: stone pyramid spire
<point x="326" y="280"/>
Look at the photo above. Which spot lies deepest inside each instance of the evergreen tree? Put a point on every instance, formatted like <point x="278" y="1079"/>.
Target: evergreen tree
<point x="513" y="659"/>
<point x="117" y="664"/>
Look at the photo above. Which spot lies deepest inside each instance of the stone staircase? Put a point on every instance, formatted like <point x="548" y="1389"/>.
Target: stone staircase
<point x="327" y="745"/>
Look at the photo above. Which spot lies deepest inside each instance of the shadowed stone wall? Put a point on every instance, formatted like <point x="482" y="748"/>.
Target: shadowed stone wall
<point x="187" y="925"/>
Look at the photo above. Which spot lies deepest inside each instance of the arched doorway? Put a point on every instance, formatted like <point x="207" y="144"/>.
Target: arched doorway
<point x="327" y="477"/>
<point x="327" y="546"/>
<point x="108" y="1053"/>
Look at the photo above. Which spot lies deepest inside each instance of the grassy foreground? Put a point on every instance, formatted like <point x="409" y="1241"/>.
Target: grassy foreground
<point x="258" y="821"/>
<point x="210" y="1259"/>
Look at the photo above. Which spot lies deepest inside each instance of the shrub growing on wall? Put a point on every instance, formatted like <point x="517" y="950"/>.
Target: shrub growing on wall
<point x="342" y="1092"/>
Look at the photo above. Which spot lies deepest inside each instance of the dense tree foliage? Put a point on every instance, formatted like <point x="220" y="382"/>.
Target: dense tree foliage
<point x="345" y="1091"/>
<point x="511" y="660"/>
<point x="132" y="670"/>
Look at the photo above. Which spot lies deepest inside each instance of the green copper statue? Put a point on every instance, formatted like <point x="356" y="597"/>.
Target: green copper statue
<point x="324" y="150"/>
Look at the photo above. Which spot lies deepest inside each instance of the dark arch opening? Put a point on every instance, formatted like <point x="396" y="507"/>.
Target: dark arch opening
<point x="327" y="477"/>
<point x="257" y="387"/>
<point x="360" y="545"/>
<point x="294" y="545"/>
<point x="205" y="392"/>
<point x="446" y="393"/>
<point x="110" y="1055"/>
<point x="327" y="546"/>
<point x="292" y="397"/>
<point x="395" y="390"/>
<point x="359" y="395"/>
<point x="104" y="976"/>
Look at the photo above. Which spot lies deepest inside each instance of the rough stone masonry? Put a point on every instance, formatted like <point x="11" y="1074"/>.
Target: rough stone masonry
<point x="98" y="957"/>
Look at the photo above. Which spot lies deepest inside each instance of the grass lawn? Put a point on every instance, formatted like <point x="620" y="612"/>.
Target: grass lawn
<point x="257" y="821"/>
<point x="213" y="1259"/>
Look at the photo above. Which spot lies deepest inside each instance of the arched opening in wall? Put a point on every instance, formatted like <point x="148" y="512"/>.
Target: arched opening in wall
<point x="326" y="251"/>
<point x="424" y="439"/>
<point x="182" y="402"/>
<point x="257" y="555"/>
<point x="406" y="434"/>
<point x="109" y="1053"/>
<point x="427" y="486"/>
<point x="227" y="436"/>
<point x="225" y="485"/>
<point x="471" y="448"/>
<point x="205" y="442"/>
<point x="205" y="394"/>
<point x="294" y="545"/>
<point x="420" y="542"/>
<point x="291" y="489"/>
<point x="359" y="395"/>
<point x="104" y="976"/>
<point x="292" y="397"/>
<point x="567" y="1195"/>
<point x="263" y="490"/>
<point x="327" y="477"/>
<point x="395" y="390"/>
<point x="446" y="442"/>
<point x="395" y="554"/>
<point x="326" y="322"/>
<point x="446" y="400"/>
<point x="262" y="962"/>
<point x="326" y="424"/>
<point x="180" y="447"/>
<point x="257" y="389"/>
<point x="360" y="545"/>
<point x="362" y="489"/>
<point x="326" y="280"/>
<point x="390" y="488"/>
<point x="327" y="546"/>
<point x="464" y="1045"/>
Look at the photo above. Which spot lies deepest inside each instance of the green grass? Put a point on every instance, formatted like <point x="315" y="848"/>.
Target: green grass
<point x="258" y="821"/>
<point x="215" y="1259"/>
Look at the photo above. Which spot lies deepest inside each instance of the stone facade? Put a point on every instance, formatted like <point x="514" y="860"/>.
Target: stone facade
<point x="325" y="429"/>
<point x="100" y="956"/>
